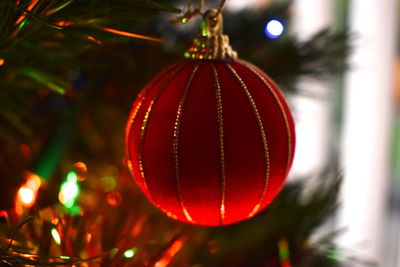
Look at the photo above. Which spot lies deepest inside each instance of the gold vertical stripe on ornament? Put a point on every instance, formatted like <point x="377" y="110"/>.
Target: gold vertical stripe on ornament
<point x="142" y="95"/>
<point x="263" y="137"/>
<point x="269" y="86"/>
<point x="175" y="144"/>
<point x="220" y="120"/>
<point x="145" y="123"/>
<point x="132" y="117"/>
<point x="131" y="120"/>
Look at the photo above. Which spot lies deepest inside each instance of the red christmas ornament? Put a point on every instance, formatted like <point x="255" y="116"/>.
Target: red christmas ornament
<point x="210" y="140"/>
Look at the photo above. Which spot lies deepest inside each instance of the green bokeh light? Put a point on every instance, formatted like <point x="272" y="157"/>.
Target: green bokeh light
<point x="69" y="192"/>
<point x="129" y="253"/>
<point x="56" y="236"/>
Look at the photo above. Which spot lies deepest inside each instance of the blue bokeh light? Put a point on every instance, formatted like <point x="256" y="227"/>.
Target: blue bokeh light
<point x="274" y="28"/>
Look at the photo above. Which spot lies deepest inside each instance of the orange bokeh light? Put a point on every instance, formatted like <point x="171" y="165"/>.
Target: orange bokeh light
<point x="81" y="170"/>
<point x="27" y="193"/>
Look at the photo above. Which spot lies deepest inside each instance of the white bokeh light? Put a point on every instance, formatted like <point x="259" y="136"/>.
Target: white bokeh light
<point x="26" y="195"/>
<point x="274" y="28"/>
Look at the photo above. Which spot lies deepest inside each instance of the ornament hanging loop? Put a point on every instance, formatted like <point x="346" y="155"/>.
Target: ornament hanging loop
<point x="212" y="44"/>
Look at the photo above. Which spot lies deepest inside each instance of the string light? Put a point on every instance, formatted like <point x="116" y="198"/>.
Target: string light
<point x="69" y="190"/>
<point x="56" y="236"/>
<point x="27" y="193"/>
<point x="274" y="28"/>
<point x="129" y="253"/>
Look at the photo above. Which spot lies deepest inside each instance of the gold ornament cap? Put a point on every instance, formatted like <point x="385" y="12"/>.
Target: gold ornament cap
<point x="211" y="44"/>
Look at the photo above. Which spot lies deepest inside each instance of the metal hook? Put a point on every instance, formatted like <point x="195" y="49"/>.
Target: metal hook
<point x="189" y="11"/>
<point x="221" y="6"/>
<point x="212" y="44"/>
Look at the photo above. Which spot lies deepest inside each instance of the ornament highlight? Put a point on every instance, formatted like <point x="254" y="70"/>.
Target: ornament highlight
<point x="210" y="141"/>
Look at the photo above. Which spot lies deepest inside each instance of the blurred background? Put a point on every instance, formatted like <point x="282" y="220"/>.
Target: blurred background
<point x="71" y="69"/>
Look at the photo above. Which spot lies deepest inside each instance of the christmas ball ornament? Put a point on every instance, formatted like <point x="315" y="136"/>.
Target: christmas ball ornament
<point x="210" y="140"/>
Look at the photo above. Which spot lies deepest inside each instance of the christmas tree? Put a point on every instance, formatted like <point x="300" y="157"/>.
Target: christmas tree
<point x="70" y="71"/>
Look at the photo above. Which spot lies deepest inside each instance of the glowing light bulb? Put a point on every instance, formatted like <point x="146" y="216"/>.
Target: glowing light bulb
<point x="56" y="236"/>
<point x="274" y="29"/>
<point x="129" y="253"/>
<point x="69" y="190"/>
<point x="26" y="195"/>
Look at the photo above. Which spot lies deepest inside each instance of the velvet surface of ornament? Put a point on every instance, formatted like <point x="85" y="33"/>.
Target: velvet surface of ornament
<point x="210" y="140"/>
